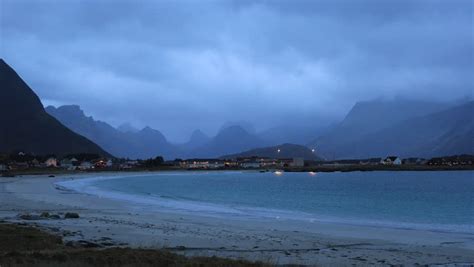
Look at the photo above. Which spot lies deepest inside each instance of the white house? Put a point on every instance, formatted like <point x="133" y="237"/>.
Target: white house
<point x="109" y="163"/>
<point x="391" y="160"/>
<point x="51" y="162"/>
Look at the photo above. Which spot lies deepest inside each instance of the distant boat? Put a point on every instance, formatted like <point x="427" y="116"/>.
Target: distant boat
<point x="312" y="173"/>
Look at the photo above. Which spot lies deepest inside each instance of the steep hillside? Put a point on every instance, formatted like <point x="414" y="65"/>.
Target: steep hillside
<point x="446" y="132"/>
<point x="367" y="118"/>
<point x="25" y="126"/>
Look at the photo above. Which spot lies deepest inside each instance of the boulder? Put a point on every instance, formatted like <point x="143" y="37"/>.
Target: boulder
<point x="71" y="215"/>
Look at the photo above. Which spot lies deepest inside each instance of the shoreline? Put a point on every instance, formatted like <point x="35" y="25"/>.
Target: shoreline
<point x="322" y="168"/>
<point x="220" y="211"/>
<point x="286" y="242"/>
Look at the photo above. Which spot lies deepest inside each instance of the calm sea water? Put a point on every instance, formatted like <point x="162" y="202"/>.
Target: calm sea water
<point x="429" y="200"/>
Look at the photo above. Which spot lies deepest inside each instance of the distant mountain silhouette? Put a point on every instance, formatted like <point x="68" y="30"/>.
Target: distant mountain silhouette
<point x="229" y="140"/>
<point x="197" y="139"/>
<point x="25" y="126"/>
<point x="247" y="126"/>
<point x="286" y="151"/>
<point x="145" y="143"/>
<point x="405" y="129"/>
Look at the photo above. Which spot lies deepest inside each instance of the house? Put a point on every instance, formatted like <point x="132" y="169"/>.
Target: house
<point x="268" y="163"/>
<point x="51" y="162"/>
<point x="231" y="164"/>
<point x="297" y="162"/>
<point x="250" y="165"/>
<point x="69" y="164"/>
<point x="285" y="162"/>
<point x="103" y="163"/>
<point x="125" y="166"/>
<point x="391" y="160"/>
<point x="109" y="163"/>
<point x="132" y="163"/>
<point x="3" y="167"/>
<point x="35" y="163"/>
<point x="86" y="165"/>
<point x="198" y="164"/>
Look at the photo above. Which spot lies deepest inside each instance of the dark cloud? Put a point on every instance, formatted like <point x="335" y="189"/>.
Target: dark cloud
<point x="181" y="65"/>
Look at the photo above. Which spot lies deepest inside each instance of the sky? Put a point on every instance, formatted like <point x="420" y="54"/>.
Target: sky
<point x="187" y="64"/>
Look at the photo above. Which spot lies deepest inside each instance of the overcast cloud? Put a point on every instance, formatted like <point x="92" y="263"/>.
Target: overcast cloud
<point x="182" y="65"/>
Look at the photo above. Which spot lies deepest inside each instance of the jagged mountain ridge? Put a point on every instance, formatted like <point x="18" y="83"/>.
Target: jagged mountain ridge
<point x="145" y="143"/>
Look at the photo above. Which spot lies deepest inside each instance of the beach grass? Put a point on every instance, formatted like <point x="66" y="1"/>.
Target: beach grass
<point x="29" y="246"/>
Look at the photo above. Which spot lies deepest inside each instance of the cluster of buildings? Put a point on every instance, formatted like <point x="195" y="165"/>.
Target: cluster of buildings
<point x="451" y="161"/>
<point x="245" y="163"/>
<point x="394" y="160"/>
<point x="390" y="160"/>
<point x="23" y="161"/>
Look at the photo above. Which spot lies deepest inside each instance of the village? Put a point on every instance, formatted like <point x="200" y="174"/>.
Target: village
<point x="91" y="162"/>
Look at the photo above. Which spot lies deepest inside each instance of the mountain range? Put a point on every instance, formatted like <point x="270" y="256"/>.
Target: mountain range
<point x="400" y="127"/>
<point x="376" y="128"/>
<point x="229" y="140"/>
<point x="124" y="142"/>
<point x="25" y="126"/>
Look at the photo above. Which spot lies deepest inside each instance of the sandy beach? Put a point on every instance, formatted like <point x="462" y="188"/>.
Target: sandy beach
<point x="109" y="222"/>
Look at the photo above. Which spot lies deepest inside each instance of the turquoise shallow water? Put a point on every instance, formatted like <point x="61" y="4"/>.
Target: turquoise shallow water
<point x="430" y="200"/>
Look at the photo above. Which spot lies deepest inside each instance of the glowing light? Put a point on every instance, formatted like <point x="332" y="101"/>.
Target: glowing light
<point x="278" y="173"/>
